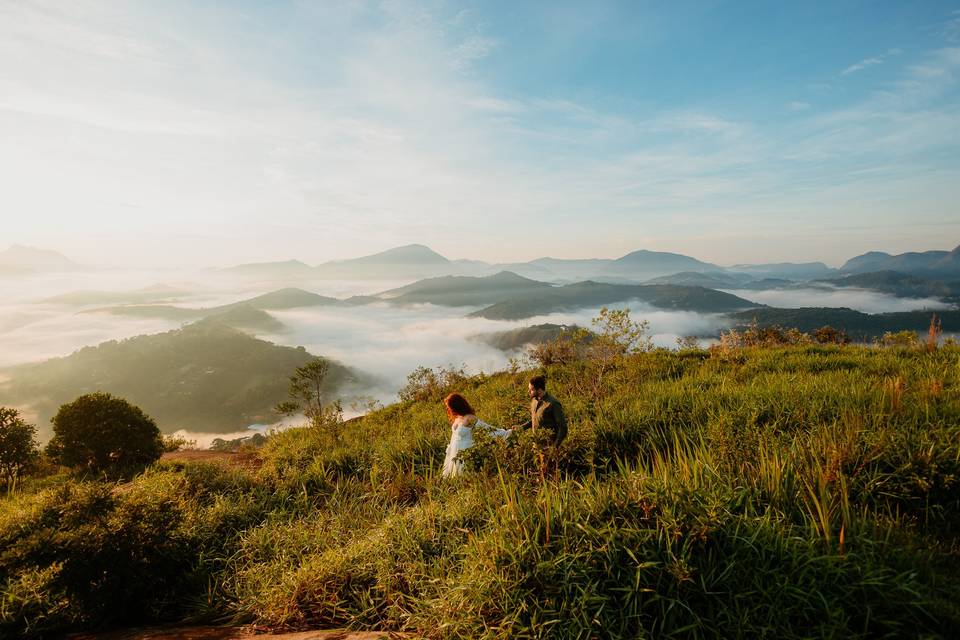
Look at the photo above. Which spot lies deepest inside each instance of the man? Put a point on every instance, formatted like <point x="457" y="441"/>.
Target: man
<point x="545" y="410"/>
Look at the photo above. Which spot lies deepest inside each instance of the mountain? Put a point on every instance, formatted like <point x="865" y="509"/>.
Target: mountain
<point x="588" y="294"/>
<point x="410" y="261"/>
<point x="645" y="264"/>
<point x="457" y="291"/>
<point x="785" y="270"/>
<point x="247" y="314"/>
<point x="716" y="280"/>
<point x="898" y="284"/>
<point x="938" y="264"/>
<point x="270" y="270"/>
<point x="19" y="258"/>
<point x="289" y="298"/>
<point x="204" y="377"/>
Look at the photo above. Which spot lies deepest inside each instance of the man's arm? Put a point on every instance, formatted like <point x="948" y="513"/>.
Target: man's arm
<point x="523" y="425"/>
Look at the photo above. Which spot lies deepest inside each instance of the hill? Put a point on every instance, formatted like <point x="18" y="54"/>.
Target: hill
<point x="458" y="291"/>
<point x="515" y="339"/>
<point x="859" y="325"/>
<point x="204" y="377"/>
<point x="271" y="270"/>
<point x="898" y="284"/>
<point x="411" y="261"/>
<point x="790" y="493"/>
<point x="584" y="295"/>
<point x="785" y="270"/>
<point x="19" y="258"/>
<point x="940" y="264"/>
<point x="246" y="314"/>
<point x="713" y="280"/>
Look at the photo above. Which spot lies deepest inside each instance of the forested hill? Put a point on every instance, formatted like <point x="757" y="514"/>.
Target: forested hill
<point x="859" y="325"/>
<point x="205" y="377"/>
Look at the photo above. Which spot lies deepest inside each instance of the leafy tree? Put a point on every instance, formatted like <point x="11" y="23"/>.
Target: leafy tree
<point x="424" y="383"/>
<point x="18" y="446"/>
<point x="618" y="334"/>
<point x="101" y="432"/>
<point x="306" y="395"/>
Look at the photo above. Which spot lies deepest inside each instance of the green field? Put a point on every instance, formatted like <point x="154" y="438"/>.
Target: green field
<point x="807" y="491"/>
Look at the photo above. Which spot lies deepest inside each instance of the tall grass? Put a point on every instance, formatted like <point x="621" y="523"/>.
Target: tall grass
<point x="782" y="492"/>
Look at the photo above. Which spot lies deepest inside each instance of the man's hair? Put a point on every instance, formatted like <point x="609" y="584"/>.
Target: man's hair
<point x="539" y="382"/>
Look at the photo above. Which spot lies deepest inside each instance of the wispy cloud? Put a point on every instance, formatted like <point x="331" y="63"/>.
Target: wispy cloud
<point x="951" y="30"/>
<point x="870" y="62"/>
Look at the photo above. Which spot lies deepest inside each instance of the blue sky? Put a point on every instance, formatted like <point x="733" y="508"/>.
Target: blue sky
<point x="213" y="133"/>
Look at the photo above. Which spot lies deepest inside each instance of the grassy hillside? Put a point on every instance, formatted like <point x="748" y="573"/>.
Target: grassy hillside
<point x="791" y="492"/>
<point x="204" y="377"/>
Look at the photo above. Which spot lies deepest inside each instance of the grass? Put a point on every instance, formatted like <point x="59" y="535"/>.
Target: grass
<point x="780" y="492"/>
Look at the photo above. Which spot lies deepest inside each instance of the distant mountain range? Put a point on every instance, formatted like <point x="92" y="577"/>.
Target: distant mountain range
<point x="416" y="262"/>
<point x="413" y="262"/>
<point x="935" y="264"/>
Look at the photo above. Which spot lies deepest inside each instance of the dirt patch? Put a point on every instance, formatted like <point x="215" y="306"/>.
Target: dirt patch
<point x="234" y="633"/>
<point x="245" y="460"/>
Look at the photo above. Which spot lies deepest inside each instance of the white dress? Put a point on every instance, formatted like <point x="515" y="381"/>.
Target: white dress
<point x="461" y="437"/>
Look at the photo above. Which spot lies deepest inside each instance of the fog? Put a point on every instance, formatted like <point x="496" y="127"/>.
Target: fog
<point x="381" y="341"/>
<point x="862" y="300"/>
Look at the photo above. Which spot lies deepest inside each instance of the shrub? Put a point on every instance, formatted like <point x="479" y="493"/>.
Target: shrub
<point x="99" y="432"/>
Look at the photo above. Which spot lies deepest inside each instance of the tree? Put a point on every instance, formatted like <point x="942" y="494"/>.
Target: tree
<point x="101" y="432"/>
<point x="19" y="450"/>
<point x="306" y="395"/>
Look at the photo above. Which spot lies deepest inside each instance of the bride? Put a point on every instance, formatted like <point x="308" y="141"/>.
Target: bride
<point x="462" y="423"/>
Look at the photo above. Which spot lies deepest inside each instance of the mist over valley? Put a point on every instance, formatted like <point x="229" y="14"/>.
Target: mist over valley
<point x="405" y="308"/>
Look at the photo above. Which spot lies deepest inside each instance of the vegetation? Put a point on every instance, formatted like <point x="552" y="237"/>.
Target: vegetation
<point x="100" y="433"/>
<point x="799" y="490"/>
<point x="309" y="385"/>
<point x="19" y="450"/>
<point x="859" y="326"/>
<point x="594" y="294"/>
<point x="204" y="377"/>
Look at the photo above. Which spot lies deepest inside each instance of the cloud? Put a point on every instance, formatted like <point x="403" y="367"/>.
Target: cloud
<point x="861" y="300"/>
<point x="951" y="31"/>
<point x="863" y="64"/>
<point x="870" y="62"/>
<point x="470" y="50"/>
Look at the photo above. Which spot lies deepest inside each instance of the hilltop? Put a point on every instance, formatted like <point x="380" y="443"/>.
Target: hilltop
<point x="693" y="486"/>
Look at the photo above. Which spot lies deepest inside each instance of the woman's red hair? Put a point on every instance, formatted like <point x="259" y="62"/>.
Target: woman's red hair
<point x="457" y="405"/>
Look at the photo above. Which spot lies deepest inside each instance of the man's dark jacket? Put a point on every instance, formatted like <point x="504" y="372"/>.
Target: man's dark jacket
<point x="547" y="413"/>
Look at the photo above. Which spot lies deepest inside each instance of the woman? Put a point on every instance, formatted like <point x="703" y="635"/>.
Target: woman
<point x="462" y="423"/>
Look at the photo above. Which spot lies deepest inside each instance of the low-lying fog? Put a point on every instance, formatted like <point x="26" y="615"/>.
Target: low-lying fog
<point x="862" y="300"/>
<point x="384" y="341"/>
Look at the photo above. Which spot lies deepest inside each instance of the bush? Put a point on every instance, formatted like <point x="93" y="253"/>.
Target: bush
<point x="99" y="432"/>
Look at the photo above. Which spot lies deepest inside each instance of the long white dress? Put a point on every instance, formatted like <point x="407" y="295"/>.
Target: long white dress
<point x="461" y="437"/>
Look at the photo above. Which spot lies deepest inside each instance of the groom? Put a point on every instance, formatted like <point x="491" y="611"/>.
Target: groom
<point x="545" y="411"/>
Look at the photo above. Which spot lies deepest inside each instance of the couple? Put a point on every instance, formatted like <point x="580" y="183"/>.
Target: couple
<point x="545" y="412"/>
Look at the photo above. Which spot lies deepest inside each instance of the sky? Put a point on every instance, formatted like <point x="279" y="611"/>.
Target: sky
<point x="209" y="133"/>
